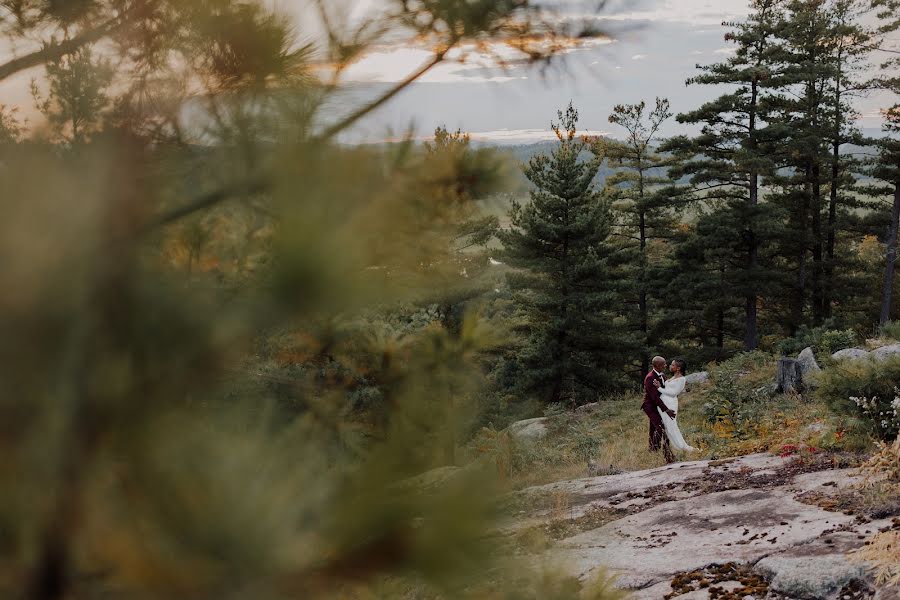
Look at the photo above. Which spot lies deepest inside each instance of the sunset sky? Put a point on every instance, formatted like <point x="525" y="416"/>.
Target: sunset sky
<point x="654" y="47"/>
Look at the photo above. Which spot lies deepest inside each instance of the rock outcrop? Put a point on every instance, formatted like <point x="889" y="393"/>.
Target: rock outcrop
<point x="529" y="429"/>
<point x="695" y="378"/>
<point x="808" y="362"/>
<point x="850" y="354"/>
<point x="760" y="519"/>
<point x="886" y="351"/>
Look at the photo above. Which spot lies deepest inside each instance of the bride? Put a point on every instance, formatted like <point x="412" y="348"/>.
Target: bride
<point x="669" y="391"/>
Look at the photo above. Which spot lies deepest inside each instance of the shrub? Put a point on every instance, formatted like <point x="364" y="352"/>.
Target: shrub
<point x="891" y="330"/>
<point x="866" y="389"/>
<point x="740" y="384"/>
<point x="824" y="340"/>
<point x="834" y="340"/>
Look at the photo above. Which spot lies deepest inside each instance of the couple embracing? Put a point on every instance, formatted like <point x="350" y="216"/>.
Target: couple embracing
<point x="661" y="406"/>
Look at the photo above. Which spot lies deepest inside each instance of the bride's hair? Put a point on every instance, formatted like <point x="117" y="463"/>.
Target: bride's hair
<point x="681" y="365"/>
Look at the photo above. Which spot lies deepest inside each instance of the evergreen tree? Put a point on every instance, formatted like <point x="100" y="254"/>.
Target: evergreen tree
<point x="558" y="242"/>
<point x="803" y="111"/>
<point x="639" y="198"/>
<point x="888" y="162"/>
<point x="77" y="94"/>
<point x="727" y="160"/>
<point x="851" y="43"/>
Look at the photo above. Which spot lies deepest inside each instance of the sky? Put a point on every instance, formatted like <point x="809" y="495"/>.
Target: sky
<point x="653" y="48"/>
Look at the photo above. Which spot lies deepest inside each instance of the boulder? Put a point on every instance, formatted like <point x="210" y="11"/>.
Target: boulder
<point x="586" y="409"/>
<point x="695" y="378"/>
<point x="810" y="576"/>
<point x="886" y="351"/>
<point x="529" y="429"/>
<point x="850" y="354"/>
<point x="808" y="362"/>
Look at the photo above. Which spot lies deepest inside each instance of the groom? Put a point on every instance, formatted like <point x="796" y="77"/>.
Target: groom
<point x="652" y="401"/>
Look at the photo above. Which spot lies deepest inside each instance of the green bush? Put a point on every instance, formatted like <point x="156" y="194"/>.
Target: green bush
<point x="740" y="385"/>
<point x="824" y="340"/>
<point x="891" y="330"/>
<point x="866" y="389"/>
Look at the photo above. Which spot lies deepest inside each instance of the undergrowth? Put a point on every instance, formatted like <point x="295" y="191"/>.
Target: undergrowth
<point x="735" y="413"/>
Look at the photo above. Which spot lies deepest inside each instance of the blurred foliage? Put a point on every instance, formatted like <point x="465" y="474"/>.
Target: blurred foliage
<point x="216" y="368"/>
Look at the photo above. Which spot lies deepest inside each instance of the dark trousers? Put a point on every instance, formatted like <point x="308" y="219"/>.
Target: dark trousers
<point x="658" y="438"/>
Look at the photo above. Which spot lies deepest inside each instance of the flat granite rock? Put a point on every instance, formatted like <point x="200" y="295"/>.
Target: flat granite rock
<point x="653" y="545"/>
<point x="820" y="568"/>
<point x="886" y="351"/>
<point x="850" y="354"/>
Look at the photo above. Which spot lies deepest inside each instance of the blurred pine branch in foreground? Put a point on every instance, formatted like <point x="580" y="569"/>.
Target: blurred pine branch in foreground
<point x="186" y="200"/>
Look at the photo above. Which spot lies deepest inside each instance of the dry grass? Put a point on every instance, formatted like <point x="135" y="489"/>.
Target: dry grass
<point x="883" y="466"/>
<point x="613" y="436"/>
<point x="882" y="552"/>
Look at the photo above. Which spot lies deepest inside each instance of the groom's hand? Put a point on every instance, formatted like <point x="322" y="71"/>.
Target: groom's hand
<point x="671" y="413"/>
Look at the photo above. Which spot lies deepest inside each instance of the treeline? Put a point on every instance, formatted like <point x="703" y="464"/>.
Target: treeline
<point x="765" y="222"/>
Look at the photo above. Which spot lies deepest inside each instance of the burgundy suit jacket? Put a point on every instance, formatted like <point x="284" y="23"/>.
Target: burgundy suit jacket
<point x="652" y="398"/>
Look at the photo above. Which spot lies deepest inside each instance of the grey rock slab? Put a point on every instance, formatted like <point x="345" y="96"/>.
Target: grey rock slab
<point x="888" y="593"/>
<point x="609" y="491"/>
<point x="819" y="568"/>
<point x="529" y="429"/>
<point x="818" y="577"/>
<point x="695" y="378"/>
<point x="737" y="525"/>
<point x="886" y="351"/>
<point x="850" y="354"/>
<point x="823" y="481"/>
<point x="655" y="592"/>
<point x="808" y="362"/>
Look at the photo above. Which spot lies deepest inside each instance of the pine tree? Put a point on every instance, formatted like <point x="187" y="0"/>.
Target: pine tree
<point x="803" y="111"/>
<point x="639" y="198"/>
<point x="727" y="160"/>
<point x="558" y="242"/>
<point x="77" y="95"/>
<point x="851" y="43"/>
<point x="888" y="162"/>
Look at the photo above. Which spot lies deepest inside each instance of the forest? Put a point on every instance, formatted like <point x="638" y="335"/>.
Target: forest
<point x="230" y="341"/>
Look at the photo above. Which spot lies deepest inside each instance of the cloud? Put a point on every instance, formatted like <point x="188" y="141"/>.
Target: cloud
<point x="725" y="51"/>
<point x="468" y="64"/>
<point x="524" y="136"/>
<point x="639" y="57"/>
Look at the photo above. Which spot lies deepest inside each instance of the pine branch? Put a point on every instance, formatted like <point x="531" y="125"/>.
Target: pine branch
<point x="261" y="183"/>
<point x="53" y="52"/>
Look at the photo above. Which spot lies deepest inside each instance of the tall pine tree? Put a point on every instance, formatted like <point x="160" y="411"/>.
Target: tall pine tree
<point x="558" y="244"/>
<point x="639" y="192"/>
<point x="727" y="160"/>
<point x="888" y="165"/>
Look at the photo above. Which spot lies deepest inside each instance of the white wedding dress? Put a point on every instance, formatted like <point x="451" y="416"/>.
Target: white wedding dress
<point x="669" y="395"/>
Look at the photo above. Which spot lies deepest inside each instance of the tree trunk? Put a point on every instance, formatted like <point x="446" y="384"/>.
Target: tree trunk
<point x="818" y="245"/>
<point x="720" y="317"/>
<point x="751" y="339"/>
<point x="642" y="294"/>
<point x="891" y="257"/>
<point x="799" y="300"/>
<point x="790" y="376"/>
